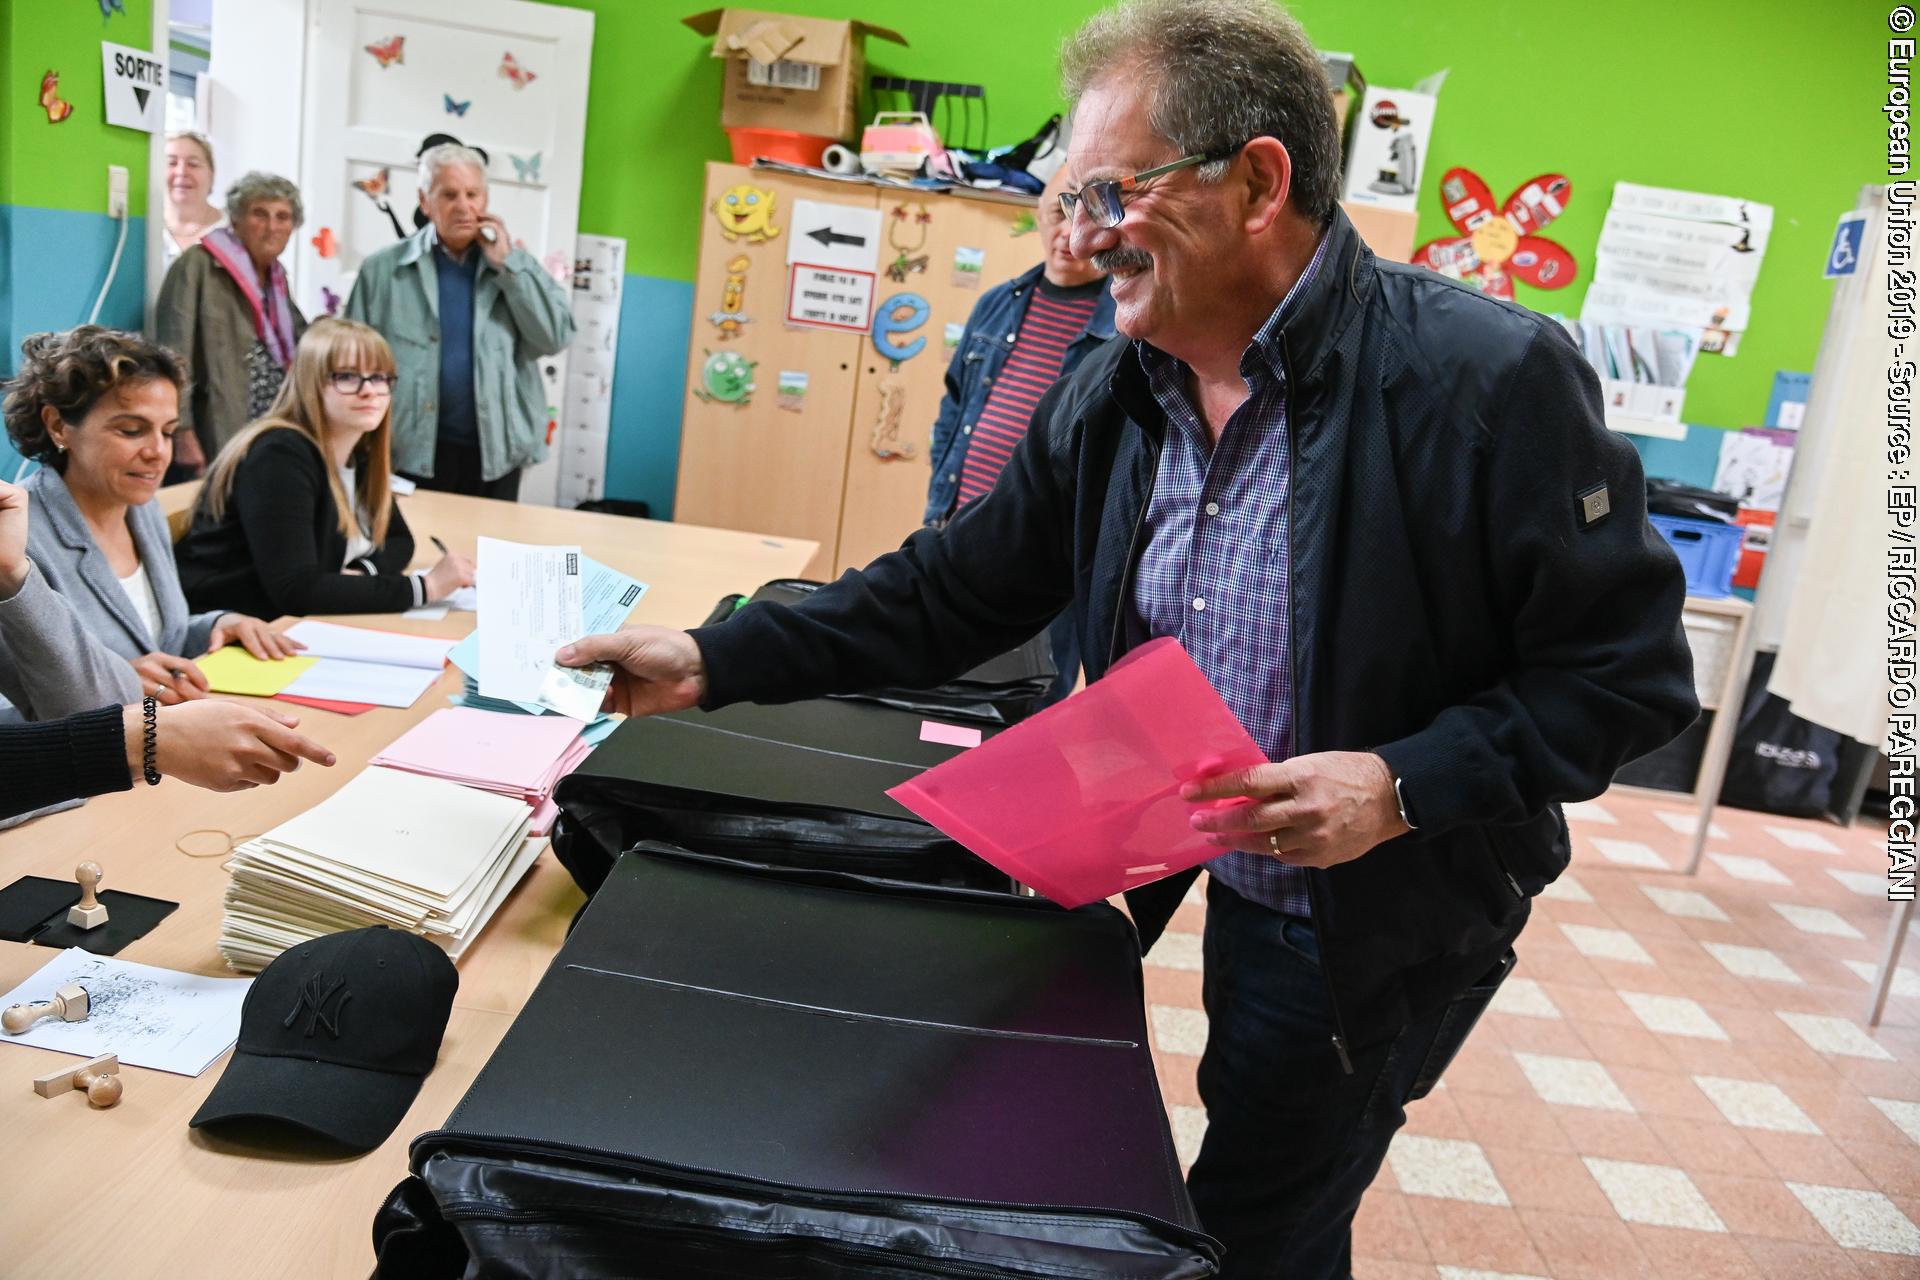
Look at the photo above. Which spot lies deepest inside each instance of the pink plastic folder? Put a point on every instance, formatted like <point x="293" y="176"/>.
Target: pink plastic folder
<point x="1083" y="800"/>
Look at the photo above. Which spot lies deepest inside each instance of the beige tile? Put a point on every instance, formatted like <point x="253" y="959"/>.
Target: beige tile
<point x="1179" y="1030"/>
<point x="1831" y="1035"/>
<point x="1606" y="944"/>
<point x="1906" y="982"/>
<point x="1176" y="950"/>
<point x="1189" y="1127"/>
<point x="1658" y="1195"/>
<point x="1673" y="1015"/>
<point x="1904" y="1114"/>
<point x="1757" y="963"/>
<point x="1591" y="812"/>
<point x="1685" y="824"/>
<point x="1818" y="921"/>
<point x="1688" y="903"/>
<point x="1572" y="1082"/>
<point x="1742" y="867"/>
<point x="1523" y="998"/>
<point x="1630" y="853"/>
<point x="1753" y="1104"/>
<point x="1566" y="889"/>
<point x="1803" y="839"/>
<point x="1860" y="1219"/>
<point x="1444" y="1168"/>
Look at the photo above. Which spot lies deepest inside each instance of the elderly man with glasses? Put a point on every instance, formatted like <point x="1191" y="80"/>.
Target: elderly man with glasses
<point x="1383" y="514"/>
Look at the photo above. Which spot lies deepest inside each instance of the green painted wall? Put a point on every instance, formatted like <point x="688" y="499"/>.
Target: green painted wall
<point x="64" y="166"/>
<point x="1772" y="101"/>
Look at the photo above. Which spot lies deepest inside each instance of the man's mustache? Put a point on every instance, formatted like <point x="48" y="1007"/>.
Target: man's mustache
<point x="1123" y="258"/>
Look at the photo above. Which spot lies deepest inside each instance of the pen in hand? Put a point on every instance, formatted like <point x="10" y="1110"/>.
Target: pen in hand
<point x="436" y="542"/>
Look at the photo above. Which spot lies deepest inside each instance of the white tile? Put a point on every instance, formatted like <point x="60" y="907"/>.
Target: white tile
<point x="1901" y="1112"/>
<point x="1446" y="1168"/>
<point x="1572" y="1082"/>
<point x="1906" y="982"/>
<point x="1178" y="1030"/>
<point x="1470" y="1273"/>
<point x="1597" y="943"/>
<point x="1567" y="889"/>
<point x="1752" y="962"/>
<point x="1630" y="853"/>
<point x="1589" y="811"/>
<point x="1523" y="996"/>
<point x="1741" y="867"/>
<point x="1673" y="1016"/>
<point x="1654" y="1194"/>
<point x="1803" y="839"/>
<point x="1752" y="1104"/>
<point x="1860" y="1219"/>
<point x="1189" y="1127"/>
<point x="1176" y="950"/>
<point x="1829" y="1035"/>
<point x="1196" y="894"/>
<point x="1816" y="920"/>
<point x="1688" y="904"/>
<point x="1864" y="883"/>
<point x="1687" y="823"/>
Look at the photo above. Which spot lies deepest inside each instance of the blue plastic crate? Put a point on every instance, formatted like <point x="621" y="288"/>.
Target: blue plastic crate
<point x="1709" y="552"/>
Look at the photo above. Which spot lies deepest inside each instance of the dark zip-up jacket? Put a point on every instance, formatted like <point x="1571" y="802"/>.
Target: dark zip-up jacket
<point x="1455" y="607"/>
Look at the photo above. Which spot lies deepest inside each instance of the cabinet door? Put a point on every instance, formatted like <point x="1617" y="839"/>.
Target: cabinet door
<point x="895" y="406"/>
<point x="764" y="460"/>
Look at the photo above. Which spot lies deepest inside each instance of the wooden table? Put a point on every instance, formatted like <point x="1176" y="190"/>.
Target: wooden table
<point x="132" y="1191"/>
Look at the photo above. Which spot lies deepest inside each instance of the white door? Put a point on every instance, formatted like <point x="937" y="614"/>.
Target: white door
<point x="506" y="76"/>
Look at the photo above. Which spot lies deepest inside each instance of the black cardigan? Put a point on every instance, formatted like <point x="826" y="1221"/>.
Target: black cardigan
<point x="279" y="548"/>
<point x="55" y="760"/>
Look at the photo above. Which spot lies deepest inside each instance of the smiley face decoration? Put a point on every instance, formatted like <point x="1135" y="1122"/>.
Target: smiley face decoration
<point x="726" y="377"/>
<point x="1497" y="246"/>
<point x="745" y="212"/>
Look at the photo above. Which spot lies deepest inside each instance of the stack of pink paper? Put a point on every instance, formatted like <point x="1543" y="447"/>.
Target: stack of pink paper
<point x="510" y="755"/>
<point x="1082" y="801"/>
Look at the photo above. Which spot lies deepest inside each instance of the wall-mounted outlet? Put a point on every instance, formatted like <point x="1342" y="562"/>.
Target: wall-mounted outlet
<point x="116" y="190"/>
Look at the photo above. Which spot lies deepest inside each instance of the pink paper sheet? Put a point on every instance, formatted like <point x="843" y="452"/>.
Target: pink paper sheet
<point x="1083" y="801"/>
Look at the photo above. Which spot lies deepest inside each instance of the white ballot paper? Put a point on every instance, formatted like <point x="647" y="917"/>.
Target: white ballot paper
<point x="158" y="1018"/>
<point x="530" y="606"/>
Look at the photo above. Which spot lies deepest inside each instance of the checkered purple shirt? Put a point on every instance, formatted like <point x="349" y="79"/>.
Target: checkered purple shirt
<point x="1214" y="572"/>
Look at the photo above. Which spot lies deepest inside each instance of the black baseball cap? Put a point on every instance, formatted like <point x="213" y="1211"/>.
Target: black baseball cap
<point x="336" y="1035"/>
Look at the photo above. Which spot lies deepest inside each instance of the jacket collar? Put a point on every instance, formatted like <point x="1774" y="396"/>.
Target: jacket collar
<point x="1099" y="327"/>
<point x="417" y="246"/>
<point x="1315" y="322"/>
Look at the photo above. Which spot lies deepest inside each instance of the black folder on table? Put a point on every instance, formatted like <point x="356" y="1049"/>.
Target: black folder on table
<point x="1000" y="691"/>
<point x="801" y="783"/>
<point x="734" y="1071"/>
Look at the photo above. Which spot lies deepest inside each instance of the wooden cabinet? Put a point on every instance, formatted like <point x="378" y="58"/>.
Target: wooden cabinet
<point x="843" y="462"/>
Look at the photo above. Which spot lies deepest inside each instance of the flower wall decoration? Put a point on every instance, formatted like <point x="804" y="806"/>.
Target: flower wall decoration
<point x="1497" y="244"/>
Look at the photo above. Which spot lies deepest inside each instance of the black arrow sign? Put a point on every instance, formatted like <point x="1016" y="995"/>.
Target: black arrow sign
<point x="829" y="237"/>
<point x="140" y="96"/>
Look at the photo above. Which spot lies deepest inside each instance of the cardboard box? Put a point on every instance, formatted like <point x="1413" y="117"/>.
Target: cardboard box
<point x="1387" y="161"/>
<point x="1348" y="87"/>
<point x="786" y="72"/>
<point x="1388" y="232"/>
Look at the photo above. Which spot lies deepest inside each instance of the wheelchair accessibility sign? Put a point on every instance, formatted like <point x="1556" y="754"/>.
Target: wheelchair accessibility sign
<point x="1843" y="258"/>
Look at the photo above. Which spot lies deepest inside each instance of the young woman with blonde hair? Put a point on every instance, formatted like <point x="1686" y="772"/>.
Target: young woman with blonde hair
<point x="297" y="513"/>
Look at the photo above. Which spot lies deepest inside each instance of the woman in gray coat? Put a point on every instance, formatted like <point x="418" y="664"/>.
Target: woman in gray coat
<point x="97" y="409"/>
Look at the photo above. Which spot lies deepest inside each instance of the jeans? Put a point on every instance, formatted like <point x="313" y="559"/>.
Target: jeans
<point x="1293" y="1141"/>
<point x="456" y="469"/>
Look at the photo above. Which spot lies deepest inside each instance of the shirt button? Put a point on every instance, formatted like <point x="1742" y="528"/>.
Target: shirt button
<point x="966" y="431"/>
<point x="951" y="479"/>
<point x="1199" y="604"/>
<point x="1011" y="337"/>
<point x="1213" y="508"/>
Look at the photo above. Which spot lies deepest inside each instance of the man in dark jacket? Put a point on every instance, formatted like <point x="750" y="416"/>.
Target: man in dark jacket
<point x="1382" y="513"/>
<point x="1022" y="336"/>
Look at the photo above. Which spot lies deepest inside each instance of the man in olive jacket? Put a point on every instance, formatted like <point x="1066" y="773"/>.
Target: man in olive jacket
<point x="469" y="318"/>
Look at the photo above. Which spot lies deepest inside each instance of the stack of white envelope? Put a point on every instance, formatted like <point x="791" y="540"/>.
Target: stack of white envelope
<point x="393" y="848"/>
<point x="509" y="754"/>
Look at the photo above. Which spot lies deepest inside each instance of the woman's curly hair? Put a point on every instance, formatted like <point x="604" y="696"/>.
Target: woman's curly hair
<point x="71" y="371"/>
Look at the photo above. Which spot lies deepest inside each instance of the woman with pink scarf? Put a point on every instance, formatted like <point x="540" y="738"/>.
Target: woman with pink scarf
<point x="225" y="308"/>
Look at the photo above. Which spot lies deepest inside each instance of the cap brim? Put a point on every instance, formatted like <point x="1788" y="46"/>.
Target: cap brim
<point x="352" y="1106"/>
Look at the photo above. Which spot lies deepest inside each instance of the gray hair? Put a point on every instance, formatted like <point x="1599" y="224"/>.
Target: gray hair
<point x="1218" y="73"/>
<point x="198" y="140"/>
<point x="257" y="186"/>
<point x="445" y="156"/>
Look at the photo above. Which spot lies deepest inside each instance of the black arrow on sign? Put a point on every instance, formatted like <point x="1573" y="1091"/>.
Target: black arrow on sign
<point x="829" y="237"/>
<point x="140" y="96"/>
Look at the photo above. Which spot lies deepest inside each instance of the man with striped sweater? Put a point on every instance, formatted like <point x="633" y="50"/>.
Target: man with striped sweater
<point x="1022" y="337"/>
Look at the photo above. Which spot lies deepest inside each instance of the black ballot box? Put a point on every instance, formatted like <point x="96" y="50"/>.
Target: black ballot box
<point x="730" y="1071"/>
<point x="802" y="783"/>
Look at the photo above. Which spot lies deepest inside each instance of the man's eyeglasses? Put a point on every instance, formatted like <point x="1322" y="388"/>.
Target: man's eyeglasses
<point x="1103" y="199"/>
<point x="348" y="382"/>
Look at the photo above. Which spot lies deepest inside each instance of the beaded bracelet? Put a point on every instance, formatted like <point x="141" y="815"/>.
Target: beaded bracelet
<point x="150" y="712"/>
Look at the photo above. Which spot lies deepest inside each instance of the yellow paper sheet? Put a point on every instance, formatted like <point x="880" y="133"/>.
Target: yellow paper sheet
<point x="234" y="670"/>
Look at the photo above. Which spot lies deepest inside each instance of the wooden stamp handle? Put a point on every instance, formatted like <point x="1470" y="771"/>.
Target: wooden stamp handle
<point x="88" y="874"/>
<point x="69" y="1004"/>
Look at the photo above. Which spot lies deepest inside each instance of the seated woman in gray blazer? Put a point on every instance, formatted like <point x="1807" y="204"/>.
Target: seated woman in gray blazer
<point x="97" y="409"/>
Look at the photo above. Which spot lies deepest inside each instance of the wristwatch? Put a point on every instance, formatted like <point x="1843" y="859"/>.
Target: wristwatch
<point x="1400" y="799"/>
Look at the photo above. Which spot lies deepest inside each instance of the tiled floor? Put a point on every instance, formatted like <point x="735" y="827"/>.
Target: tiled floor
<point x="1677" y="1082"/>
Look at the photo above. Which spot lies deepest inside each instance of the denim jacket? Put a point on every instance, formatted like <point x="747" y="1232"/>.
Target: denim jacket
<point x="983" y="349"/>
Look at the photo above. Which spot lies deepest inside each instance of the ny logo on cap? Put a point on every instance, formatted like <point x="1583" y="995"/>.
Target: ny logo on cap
<point x="314" y="1001"/>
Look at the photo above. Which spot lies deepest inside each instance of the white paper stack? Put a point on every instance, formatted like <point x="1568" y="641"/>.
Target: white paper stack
<point x="356" y="664"/>
<point x="401" y="849"/>
<point x="508" y="754"/>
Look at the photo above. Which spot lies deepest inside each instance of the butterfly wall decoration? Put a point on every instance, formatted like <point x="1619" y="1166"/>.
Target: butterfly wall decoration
<point x="58" y="108"/>
<point x="455" y="108"/>
<point x="326" y="244"/>
<point x="330" y="300"/>
<point x="389" y="51"/>
<point x="110" y="7"/>
<point x="513" y="71"/>
<point x="526" y="170"/>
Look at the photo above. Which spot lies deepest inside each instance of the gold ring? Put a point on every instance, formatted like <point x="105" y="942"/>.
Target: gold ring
<point x="1273" y="841"/>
